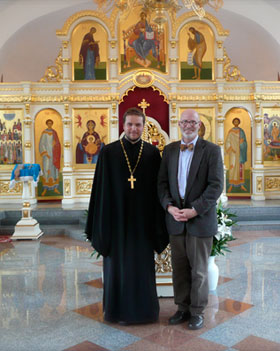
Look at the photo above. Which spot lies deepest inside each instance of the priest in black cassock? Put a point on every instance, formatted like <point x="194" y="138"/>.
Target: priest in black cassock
<point x="126" y="223"/>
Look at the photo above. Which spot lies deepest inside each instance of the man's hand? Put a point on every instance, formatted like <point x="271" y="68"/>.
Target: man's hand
<point x="181" y="215"/>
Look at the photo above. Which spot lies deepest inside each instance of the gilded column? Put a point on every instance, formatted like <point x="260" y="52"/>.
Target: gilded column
<point x="174" y="60"/>
<point x="113" y="60"/>
<point x="258" y="169"/>
<point x="114" y="123"/>
<point x="221" y="142"/>
<point x="66" y="67"/>
<point x="67" y="139"/>
<point x="173" y="121"/>
<point x="220" y="60"/>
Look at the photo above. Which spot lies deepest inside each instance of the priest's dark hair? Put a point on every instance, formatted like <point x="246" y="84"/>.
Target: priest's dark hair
<point x="134" y="111"/>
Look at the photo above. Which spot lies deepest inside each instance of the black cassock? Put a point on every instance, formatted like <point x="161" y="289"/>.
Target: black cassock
<point x="126" y="225"/>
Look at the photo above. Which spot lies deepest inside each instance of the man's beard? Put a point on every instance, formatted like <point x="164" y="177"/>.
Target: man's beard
<point x="189" y="137"/>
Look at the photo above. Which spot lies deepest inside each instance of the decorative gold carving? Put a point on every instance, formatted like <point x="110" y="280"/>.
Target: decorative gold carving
<point x="152" y="135"/>
<point x="220" y="107"/>
<point x="65" y="60"/>
<point x="187" y="15"/>
<point x="88" y="13"/>
<point x="143" y="105"/>
<point x="27" y="109"/>
<point x="143" y="79"/>
<point x="27" y="145"/>
<point x="220" y="120"/>
<point x="113" y="59"/>
<point x="220" y="60"/>
<point x="66" y="121"/>
<point x="27" y="121"/>
<point x="220" y="142"/>
<point x="67" y="164"/>
<point x="67" y="144"/>
<point x="163" y="261"/>
<point x="66" y="108"/>
<point x="5" y="188"/>
<point x="173" y="107"/>
<point x="173" y="44"/>
<point x="258" y="119"/>
<point x="25" y="214"/>
<point x="231" y="72"/>
<point x="54" y="73"/>
<point x="173" y="120"/>
<point x="258" y="142"/>
<point x="26" y="204"/>
<point x="154" y="88"/>
<point x="114" y="107"/>
<point x="113" y="43"/>
<point x="83" y="186"/>
<point x="173" y="59"/>
<point x="259" y="184"/>
<point x="65" y="44"/>
<point x="114" y="120"/>
<point x="272" y="183"/>
<point x="187" y="97"/>
<point x="219" y="44"/>
<point x="67" y="187"/>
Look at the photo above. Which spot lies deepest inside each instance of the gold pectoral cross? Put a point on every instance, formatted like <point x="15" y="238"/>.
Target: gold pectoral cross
<point x="131" y="180"/>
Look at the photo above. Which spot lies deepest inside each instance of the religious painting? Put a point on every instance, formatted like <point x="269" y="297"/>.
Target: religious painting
<point x="237" y="147"/>
<point x="142" y="43"/>
<point x="11" y="138"/>
<point x="196" y="52"/>
<point x="271" y="136"/>
<point x="207" y="118"/>
<point x="49" y="153"/>
<point x="90" y="134"/>
<point x="89" y="52"/>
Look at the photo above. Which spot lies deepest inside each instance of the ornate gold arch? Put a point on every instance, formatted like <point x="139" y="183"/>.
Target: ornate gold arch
<point x="110" y="22"/>
<point x="176" y="24"/>
<point x="154" y="88"/>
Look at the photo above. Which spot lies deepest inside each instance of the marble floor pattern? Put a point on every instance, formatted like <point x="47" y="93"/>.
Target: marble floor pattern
<point x="51" y="300"/>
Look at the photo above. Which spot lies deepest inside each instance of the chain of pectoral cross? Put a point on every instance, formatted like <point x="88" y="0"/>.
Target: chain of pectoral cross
<point x="132" y="179"/>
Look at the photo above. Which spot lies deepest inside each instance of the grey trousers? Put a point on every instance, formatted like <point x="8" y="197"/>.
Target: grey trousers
<point x="189" y="257"/>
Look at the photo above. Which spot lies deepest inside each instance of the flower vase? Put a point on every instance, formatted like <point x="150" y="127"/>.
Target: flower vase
<point x="213" y="273"/>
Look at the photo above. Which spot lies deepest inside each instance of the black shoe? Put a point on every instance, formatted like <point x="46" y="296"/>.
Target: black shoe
<point x="196" y="322"/>
<point x="179" y="317"/>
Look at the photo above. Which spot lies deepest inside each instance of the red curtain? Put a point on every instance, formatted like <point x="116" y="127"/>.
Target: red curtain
<point x="158" y="108"/>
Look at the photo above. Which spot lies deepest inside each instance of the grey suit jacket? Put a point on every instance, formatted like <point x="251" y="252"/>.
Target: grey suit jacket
<point x="204" y="186"/>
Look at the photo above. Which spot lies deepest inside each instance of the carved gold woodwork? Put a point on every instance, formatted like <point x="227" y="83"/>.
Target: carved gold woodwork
<point x="88" y="13"/>
<point x="173" y="120"/>
<point x="219" y="44"/>
<point x="113" y="59"/>
<point x="27" y="109"/>
<point x="220" y="60"/>
<point x="83" y="186"/>
<point x="173" y="44"/>
<point x="173" y="107"/>
<point x="67" y="164"/>
<point x="113" y="43"/>
<point x="152" y="135"/>
<point x="163" y="261"/>
<point x="114" y="107"/>
<point x="173" y="59"/>
<point x="66" y="108"/>
<point x="231" y="72"/>
<point x="65" y="44"/>
<point x="5" y="188"/>
<point x="66" y="121"/>
<point x="114" y="120"/>
<point x="67" y="187"/>
<point x="143" y="79"/>
<point x="67" y="144"/>
<point x="27" y="144"/>
<point x="176" y="25"/>
<point x="220" y="142"/>
<point x="27" y="121"/>
<point x="54" y="73"/>
<point x="220" y="107"/>
<point x="258" y="142"/>
<point x="272" y="183"/>
<point x="259" y="184"/>
<point x="26" y="204"/>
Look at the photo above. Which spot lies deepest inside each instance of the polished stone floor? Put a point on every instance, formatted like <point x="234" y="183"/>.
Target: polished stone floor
<point x="51" y="293"/>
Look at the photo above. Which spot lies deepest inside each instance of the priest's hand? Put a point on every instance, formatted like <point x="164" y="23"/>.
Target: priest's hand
<point x="175" y="212"/>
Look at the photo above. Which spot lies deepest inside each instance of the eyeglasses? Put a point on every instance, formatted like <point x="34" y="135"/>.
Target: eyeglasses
<point x="191" y="123"/>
